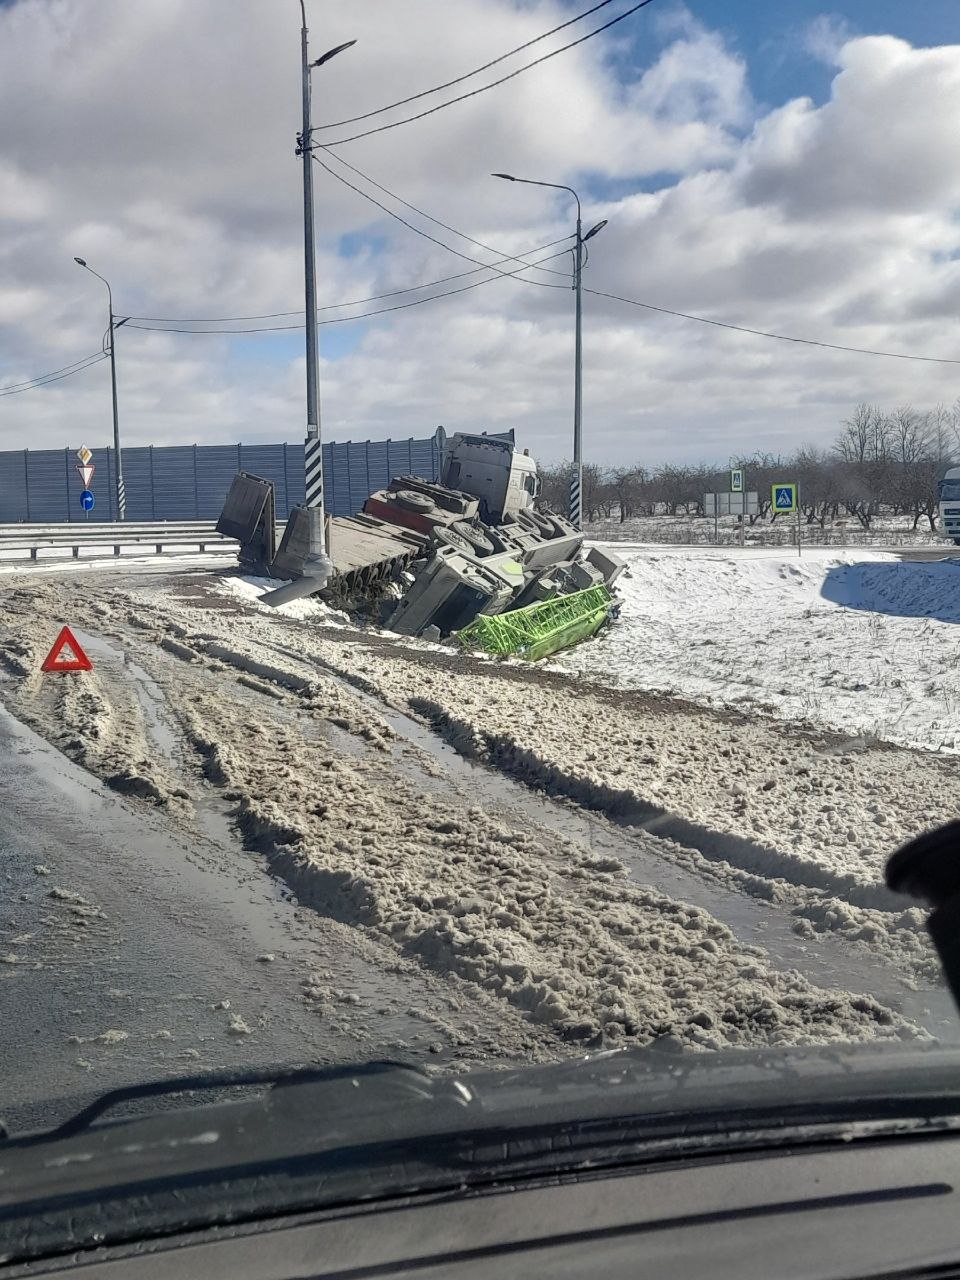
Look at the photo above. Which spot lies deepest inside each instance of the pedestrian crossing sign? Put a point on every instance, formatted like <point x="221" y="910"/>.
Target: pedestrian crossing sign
<point x="784" y="497"/>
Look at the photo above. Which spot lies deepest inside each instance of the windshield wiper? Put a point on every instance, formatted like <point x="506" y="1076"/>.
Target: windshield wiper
<point x="208" y="1082"/>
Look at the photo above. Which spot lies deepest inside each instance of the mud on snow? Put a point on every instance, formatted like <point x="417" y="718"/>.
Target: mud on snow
<point x="290" y="723"/>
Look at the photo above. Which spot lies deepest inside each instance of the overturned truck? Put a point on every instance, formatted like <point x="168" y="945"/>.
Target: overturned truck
<point x="471" y="556"/>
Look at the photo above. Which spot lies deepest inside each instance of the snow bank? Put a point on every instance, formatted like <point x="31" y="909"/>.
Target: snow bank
<point x="857" y="641"/>
<point x="250" y="589"/>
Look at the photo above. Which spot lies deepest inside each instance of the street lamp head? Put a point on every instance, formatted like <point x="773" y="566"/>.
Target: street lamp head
<point x="332" y="53"/>
<point x="80" y="261"/>
<point x="507" y="177"/>
<point x="593" y="230"/>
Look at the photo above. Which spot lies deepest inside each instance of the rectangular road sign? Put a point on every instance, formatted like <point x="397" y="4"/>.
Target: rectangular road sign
<point x="784" y="498"/>
<point x="731" y="504"/>
<point x="736" y="480"/>
<point x="85" y="471"/>
<point x="84" y="454"/>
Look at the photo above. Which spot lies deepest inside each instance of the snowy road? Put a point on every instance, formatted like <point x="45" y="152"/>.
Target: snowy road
<point x="662" y="892"/>
<point x="128" y="953"/>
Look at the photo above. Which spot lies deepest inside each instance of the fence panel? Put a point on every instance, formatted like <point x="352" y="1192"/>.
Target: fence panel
<point x="137" y="483"/>
<point x="190" y="482"/>
<point x="216" y="465"/>
<point x="14" y="491"/>
<point x="175" y="483"/>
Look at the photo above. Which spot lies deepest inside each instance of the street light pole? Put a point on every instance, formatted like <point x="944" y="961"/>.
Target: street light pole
<point x="575" y="500"/>
<point x="118" y="459"/>
<point x="576" y="484"/>
<point x="319" y="564"/>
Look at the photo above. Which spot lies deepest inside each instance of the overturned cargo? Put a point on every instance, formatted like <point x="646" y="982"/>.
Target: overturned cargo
<point x="433" y="558"/>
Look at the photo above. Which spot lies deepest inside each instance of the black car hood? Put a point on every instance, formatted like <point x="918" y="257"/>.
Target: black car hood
<point x="322" y="1138"/>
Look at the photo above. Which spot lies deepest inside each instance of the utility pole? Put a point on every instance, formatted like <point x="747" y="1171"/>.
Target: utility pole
<point x="318" y="562"/>
<point x="575" y="503"/>
<point x="118" y="459"/>
<point x="575" y="499"/>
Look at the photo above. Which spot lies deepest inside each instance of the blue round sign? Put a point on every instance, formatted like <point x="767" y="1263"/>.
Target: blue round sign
<point x="87" y="500"/>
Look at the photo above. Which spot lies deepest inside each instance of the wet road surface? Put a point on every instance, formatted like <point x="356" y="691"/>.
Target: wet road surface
<point x="128" y="954"/>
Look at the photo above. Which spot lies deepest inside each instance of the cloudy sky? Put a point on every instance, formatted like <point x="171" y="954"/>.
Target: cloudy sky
<point x="780" y="165"/>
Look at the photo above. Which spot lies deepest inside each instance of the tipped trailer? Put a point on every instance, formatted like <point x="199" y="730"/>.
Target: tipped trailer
<point x="430" y="557"/>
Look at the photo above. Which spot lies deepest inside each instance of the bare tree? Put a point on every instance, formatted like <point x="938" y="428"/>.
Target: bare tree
<point x="627" y="484"/>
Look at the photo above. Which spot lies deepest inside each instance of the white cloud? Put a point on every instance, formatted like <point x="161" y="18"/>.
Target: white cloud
<point x="156" y="140"/>
<point x="825" y="36"/>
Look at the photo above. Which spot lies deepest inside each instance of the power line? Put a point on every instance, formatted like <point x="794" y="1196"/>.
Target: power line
<point x="448" y="84"/>
<point x="364" y="315"/>
<point x="356" y="302"/>
<point x="419" y="230"/>
<point x="763" y="333"/>
<point x="41" y="381"/>
<point x="339" y="142"/>
<point x="12" y="386"/>
<point x="422" y="212"/>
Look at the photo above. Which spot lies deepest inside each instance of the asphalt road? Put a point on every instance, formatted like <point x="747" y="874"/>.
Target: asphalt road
<point x="121" y="945"/>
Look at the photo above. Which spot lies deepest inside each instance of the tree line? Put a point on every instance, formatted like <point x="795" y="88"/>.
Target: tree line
<point x="880" y="461"/>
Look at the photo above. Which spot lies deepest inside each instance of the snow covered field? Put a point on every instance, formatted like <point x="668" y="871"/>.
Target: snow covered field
<point x="862" y="642"/>
<point x="884" y="531"/>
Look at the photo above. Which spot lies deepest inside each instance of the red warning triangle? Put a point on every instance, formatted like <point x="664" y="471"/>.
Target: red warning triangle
<point x="57" y="660"/>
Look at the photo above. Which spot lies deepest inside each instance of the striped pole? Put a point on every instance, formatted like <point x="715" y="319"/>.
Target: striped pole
<point x="575" y="504"/>
<point x="313" y="472"/>
<point x="121" y="497"/>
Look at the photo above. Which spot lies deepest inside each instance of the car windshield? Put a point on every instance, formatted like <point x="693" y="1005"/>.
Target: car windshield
<point x="587" y="721"/>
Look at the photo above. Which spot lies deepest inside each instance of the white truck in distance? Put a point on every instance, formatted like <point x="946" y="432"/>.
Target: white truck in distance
<point x="950" y="505"/>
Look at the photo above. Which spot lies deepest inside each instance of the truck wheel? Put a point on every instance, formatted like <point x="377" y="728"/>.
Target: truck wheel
<point x="476" y="537"/>
<point x="413" y="501"/>
<point x="537" y="522"/>
<point x="446" y="536"/>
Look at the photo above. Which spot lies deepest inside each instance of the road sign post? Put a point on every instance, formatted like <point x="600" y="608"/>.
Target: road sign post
<point x="741" y="504"/>
<point x="786" y="500"/>
<point x="85" y="470"/>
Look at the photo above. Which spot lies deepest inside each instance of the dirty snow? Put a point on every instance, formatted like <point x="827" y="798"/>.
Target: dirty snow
<point x="562" y="940"/>
<point x="250" y="589"/>
<point x="861" y="642"/>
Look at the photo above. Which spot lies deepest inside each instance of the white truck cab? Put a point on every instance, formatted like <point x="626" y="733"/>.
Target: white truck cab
<point x="504" y="480"/>
<point x="950" y="505"/>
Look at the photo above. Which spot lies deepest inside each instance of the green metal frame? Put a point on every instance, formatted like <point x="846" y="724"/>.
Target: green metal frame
<point x="540" y="629"/>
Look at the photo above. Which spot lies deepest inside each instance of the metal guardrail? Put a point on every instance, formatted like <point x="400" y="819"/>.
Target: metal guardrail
<point x="162" y="536"/>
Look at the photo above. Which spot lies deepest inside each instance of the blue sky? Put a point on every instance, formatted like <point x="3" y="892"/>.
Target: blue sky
<point x="770" y="35"/>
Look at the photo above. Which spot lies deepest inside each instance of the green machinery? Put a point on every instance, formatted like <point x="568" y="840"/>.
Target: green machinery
<point x="540" y="629"/>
